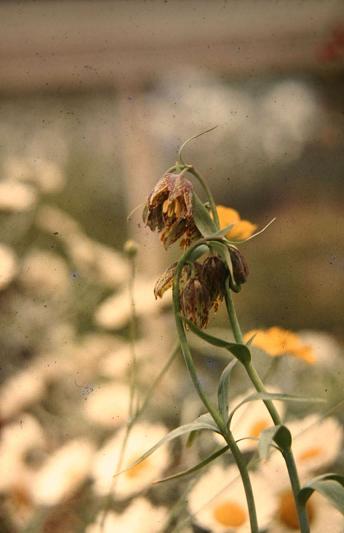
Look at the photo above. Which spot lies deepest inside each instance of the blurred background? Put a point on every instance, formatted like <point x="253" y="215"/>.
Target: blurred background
<point x="96" y="98"/>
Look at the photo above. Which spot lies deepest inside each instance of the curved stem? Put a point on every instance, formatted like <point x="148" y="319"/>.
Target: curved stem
<point x="205" y="400"/>
<point x="197" y="175"/>
<point x="259" y="386"/>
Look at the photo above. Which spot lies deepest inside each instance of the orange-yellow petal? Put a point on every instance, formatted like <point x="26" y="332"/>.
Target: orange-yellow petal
<point x="242" y="229"/>
<point x="277" y="341"/>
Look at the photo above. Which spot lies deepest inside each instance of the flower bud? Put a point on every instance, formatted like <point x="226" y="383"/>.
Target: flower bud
<point x="240" y="268"/>
<point x="130" y="248"/>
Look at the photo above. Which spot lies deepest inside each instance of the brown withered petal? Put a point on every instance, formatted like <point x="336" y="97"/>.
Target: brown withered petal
<point x="169" y="209"/>
<point x="165" y="281"/>
<point x="172" y="233"/>
<point x="195" y="302"/>
<point x="240" y="267"/>
<point x="214" y="273"/>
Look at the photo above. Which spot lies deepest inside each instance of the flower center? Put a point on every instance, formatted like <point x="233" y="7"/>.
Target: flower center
<point x="310" y="453"/>
<point x="136" y="470"/>
<point x="230" y="514"/>
<point x="287" y="511"/>
<point x="257" y="428"/>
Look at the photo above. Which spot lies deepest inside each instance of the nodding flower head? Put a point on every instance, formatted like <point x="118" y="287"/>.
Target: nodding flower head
<point x="201" y="287"/>
<point x="214" y="274"/>
<point x="169" y="210"/>
<point x="195" y="301"/>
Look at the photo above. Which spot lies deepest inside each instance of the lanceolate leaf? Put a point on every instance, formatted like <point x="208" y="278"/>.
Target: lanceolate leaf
<point x="204" y="223"/>
<point x="240" y="351"/>
<point x="222" y="232"/>
<point x="203" y="422"/>
<point x="222" y="391"/>
<point x="197" y="467"/>
<point x="329" y="485"/>
<point x="278" y="434"/>
<point x="272" y="396"/>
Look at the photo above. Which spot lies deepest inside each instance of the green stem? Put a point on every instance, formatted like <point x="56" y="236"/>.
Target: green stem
<point x="132" y="336"/>
<point x="208" y="192"/>
<point x="259" y="386"/>
<point x="242" y="466"/>
<point x="203" y="397"/>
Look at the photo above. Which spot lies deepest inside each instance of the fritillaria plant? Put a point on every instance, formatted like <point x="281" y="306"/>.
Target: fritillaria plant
<point x="209" y="269"/>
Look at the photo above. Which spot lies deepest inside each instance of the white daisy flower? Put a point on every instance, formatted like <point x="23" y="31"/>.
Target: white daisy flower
<point x="63" y="473"/>
<point x="326" y="349"/>
<point x="16" y="196"/>
<point x="251" y="419"/>
<point x="20" y="391"/>
<point x="117" y="363"/>
<point x="16" y="440"/>
<point x="140" y="517"/>
<point x="115" y="311"/>
<point x="142" y="437"/>
<point x="45" y="273"/>
<point x="8" y="265"/>
<point x="316" y="442"/>
<point x="217" y="501"/>
<point x="322" y="516"/>
<point x="108" y="406"/>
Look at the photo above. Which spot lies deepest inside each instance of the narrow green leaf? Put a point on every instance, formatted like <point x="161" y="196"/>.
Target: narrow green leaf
<point x="222" y="232"/>
<point x="329" y="485"/>
<point x="240" y="351"/>
<point x="202" y="218"/>
<point x="222" y="391"/>
<point x="272" y="396"/>
<point x="197" y="467"/>
<point x="203" y="422"/>
<point x="278" y="434"/>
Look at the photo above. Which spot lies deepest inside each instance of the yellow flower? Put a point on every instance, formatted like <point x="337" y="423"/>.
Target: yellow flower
<point x="277" y="341"/>
<point x="242" y="229"/>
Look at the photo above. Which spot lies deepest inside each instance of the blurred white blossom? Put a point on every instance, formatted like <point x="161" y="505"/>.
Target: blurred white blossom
<point x="325" y="347"/>
<point x="16" y="197"/>
<point x="142" y="437"/>
<point x="16" y="440"/>
<point x="20" y="391"/>
<point x="108" y="405"/>
<point x="139" y="517"/>
<point x="45" y="273"/>
<point x="115" y="311"/>
<point x="217" y="501"/>
<point x="63" y="472"/>
<point x="8" y="265"/>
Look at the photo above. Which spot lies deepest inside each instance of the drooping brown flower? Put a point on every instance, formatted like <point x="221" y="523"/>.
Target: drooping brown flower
<point x="169" y="210"/>
<point x="214" y="274"/>
<point x="195" y="301"/>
